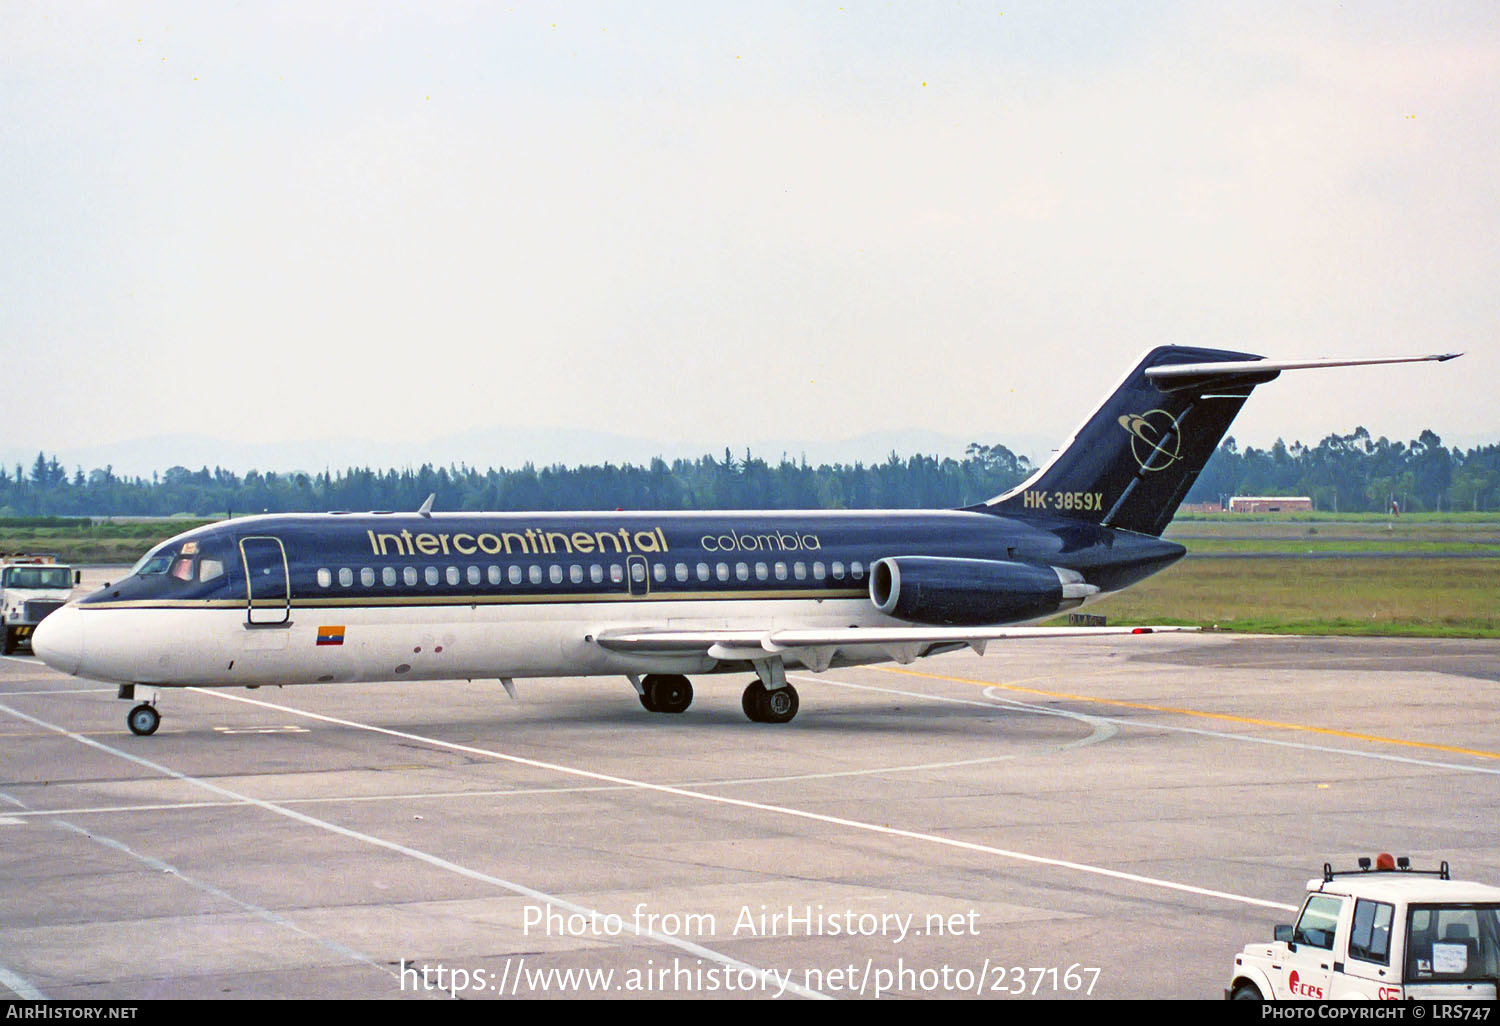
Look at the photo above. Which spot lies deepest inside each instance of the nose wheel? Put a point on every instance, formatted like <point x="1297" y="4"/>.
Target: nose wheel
<point x="143" y="720"/>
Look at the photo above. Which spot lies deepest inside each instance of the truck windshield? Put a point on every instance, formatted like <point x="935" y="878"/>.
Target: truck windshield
<point x="1452" y="942"/>
<point x="38" y="577"/>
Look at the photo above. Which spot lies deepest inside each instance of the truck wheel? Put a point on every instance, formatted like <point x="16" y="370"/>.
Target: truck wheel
<point x="1247" y="992"/>
<point x="9" y="644"/>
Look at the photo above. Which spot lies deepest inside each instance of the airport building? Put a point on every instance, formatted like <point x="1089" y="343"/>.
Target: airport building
<point x="1270" y="504"/>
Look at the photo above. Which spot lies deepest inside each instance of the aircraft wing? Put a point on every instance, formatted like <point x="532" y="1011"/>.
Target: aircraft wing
<point x="816" y="647"/>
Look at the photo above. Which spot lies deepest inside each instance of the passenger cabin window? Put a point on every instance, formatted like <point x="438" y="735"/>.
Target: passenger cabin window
<point x="346" y="577"/>
<point x="388" y="576"/>
<point x="367" y="576"/>
<point x="325" y="577"/>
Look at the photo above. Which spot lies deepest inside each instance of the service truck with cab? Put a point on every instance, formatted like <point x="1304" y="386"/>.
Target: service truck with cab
<point x="1386" y="932"/>
<point x="31" y="586"/>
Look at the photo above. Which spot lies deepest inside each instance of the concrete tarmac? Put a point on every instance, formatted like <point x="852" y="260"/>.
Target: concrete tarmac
<point x="1110" y="817"/>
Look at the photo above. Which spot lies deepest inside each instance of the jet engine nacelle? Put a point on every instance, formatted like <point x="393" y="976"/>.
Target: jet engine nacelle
<point x="941" y="591"/>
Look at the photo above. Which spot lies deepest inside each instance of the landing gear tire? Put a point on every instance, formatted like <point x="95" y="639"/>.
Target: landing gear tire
<point x="666" y="693"/>
<point x="143" y="720"/>
<point x="763" y="705"/>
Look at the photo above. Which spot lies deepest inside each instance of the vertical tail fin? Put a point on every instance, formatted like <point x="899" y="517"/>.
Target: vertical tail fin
<point x="1132" y="462"/>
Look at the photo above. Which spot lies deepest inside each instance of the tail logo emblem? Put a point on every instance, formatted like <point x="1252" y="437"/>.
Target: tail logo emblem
<point x="1153" y="437"/>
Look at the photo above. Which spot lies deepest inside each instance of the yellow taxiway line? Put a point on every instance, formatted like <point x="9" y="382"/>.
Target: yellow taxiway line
<point x="1200" y="714"/>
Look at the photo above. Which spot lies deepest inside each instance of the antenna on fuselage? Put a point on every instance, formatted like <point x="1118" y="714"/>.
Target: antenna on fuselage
<point x="426" y="510"/>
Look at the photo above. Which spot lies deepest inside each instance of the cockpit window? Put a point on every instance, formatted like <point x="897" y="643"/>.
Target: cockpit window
<point x="186" y="562"/>
<point x="157" y="561"/>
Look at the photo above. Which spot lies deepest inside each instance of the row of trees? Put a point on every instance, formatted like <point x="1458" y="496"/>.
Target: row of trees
<point x="1348" y="473"/>
<point x="1357" y="473"/>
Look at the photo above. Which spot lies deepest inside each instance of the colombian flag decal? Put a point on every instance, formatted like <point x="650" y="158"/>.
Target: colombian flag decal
<point x="330" y="635"/>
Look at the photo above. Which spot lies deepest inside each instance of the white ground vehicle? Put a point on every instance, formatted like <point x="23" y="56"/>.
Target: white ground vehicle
<point x="1387" y="933"/>
<point x="30" y="588"/>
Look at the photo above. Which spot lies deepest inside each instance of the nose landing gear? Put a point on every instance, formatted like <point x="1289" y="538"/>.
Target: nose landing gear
<point x="143" y="719"/>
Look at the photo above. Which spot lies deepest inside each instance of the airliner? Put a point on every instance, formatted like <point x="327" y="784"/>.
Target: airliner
<point x="657" y="597"/>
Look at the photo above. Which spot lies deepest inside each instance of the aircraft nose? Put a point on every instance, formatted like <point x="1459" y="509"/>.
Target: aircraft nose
<point x="58" y="640"/>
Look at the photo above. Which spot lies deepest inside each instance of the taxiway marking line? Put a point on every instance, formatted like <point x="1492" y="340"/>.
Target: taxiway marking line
<point x="1001" y="702"/>
<point x="768" y="977"/>
<point x="159" y="866"/>
<point x="778" y="810"/>
<point x="1172" y="710"/>
<point x="20" y="986"/>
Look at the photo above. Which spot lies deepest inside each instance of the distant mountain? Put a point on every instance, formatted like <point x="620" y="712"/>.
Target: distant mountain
<point x="494" y="447"/>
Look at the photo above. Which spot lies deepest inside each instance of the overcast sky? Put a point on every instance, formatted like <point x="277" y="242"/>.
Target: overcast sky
<point x="718" y="221"/>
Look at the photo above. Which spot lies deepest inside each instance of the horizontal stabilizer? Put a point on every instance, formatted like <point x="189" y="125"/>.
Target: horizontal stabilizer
<point x="1180" y="376"/>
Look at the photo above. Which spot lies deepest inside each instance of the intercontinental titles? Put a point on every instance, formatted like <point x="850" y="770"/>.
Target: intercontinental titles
<point x="535" y="541"/>
<point x="527" y="543"/>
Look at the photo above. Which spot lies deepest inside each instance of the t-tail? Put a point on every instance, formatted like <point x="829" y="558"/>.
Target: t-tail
<point x="1132" y="462"/>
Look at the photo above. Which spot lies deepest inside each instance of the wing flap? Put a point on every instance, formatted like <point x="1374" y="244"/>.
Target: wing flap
<point x="902" y="644"/>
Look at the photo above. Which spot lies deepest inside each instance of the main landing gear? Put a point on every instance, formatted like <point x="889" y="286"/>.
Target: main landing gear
<point x="672" y="693"/>
<point x="665" y="693"/>
<point x="766" y="705"/>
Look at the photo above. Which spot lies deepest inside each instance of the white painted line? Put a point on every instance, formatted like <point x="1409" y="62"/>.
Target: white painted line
<point x="11" y="821"/>
<point x="779" y="810"/>
<point x="20" y="986"/>
<point x="159" y="866"/>
<point x="767" y="977"/>
<point x="1139" y="724"/>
